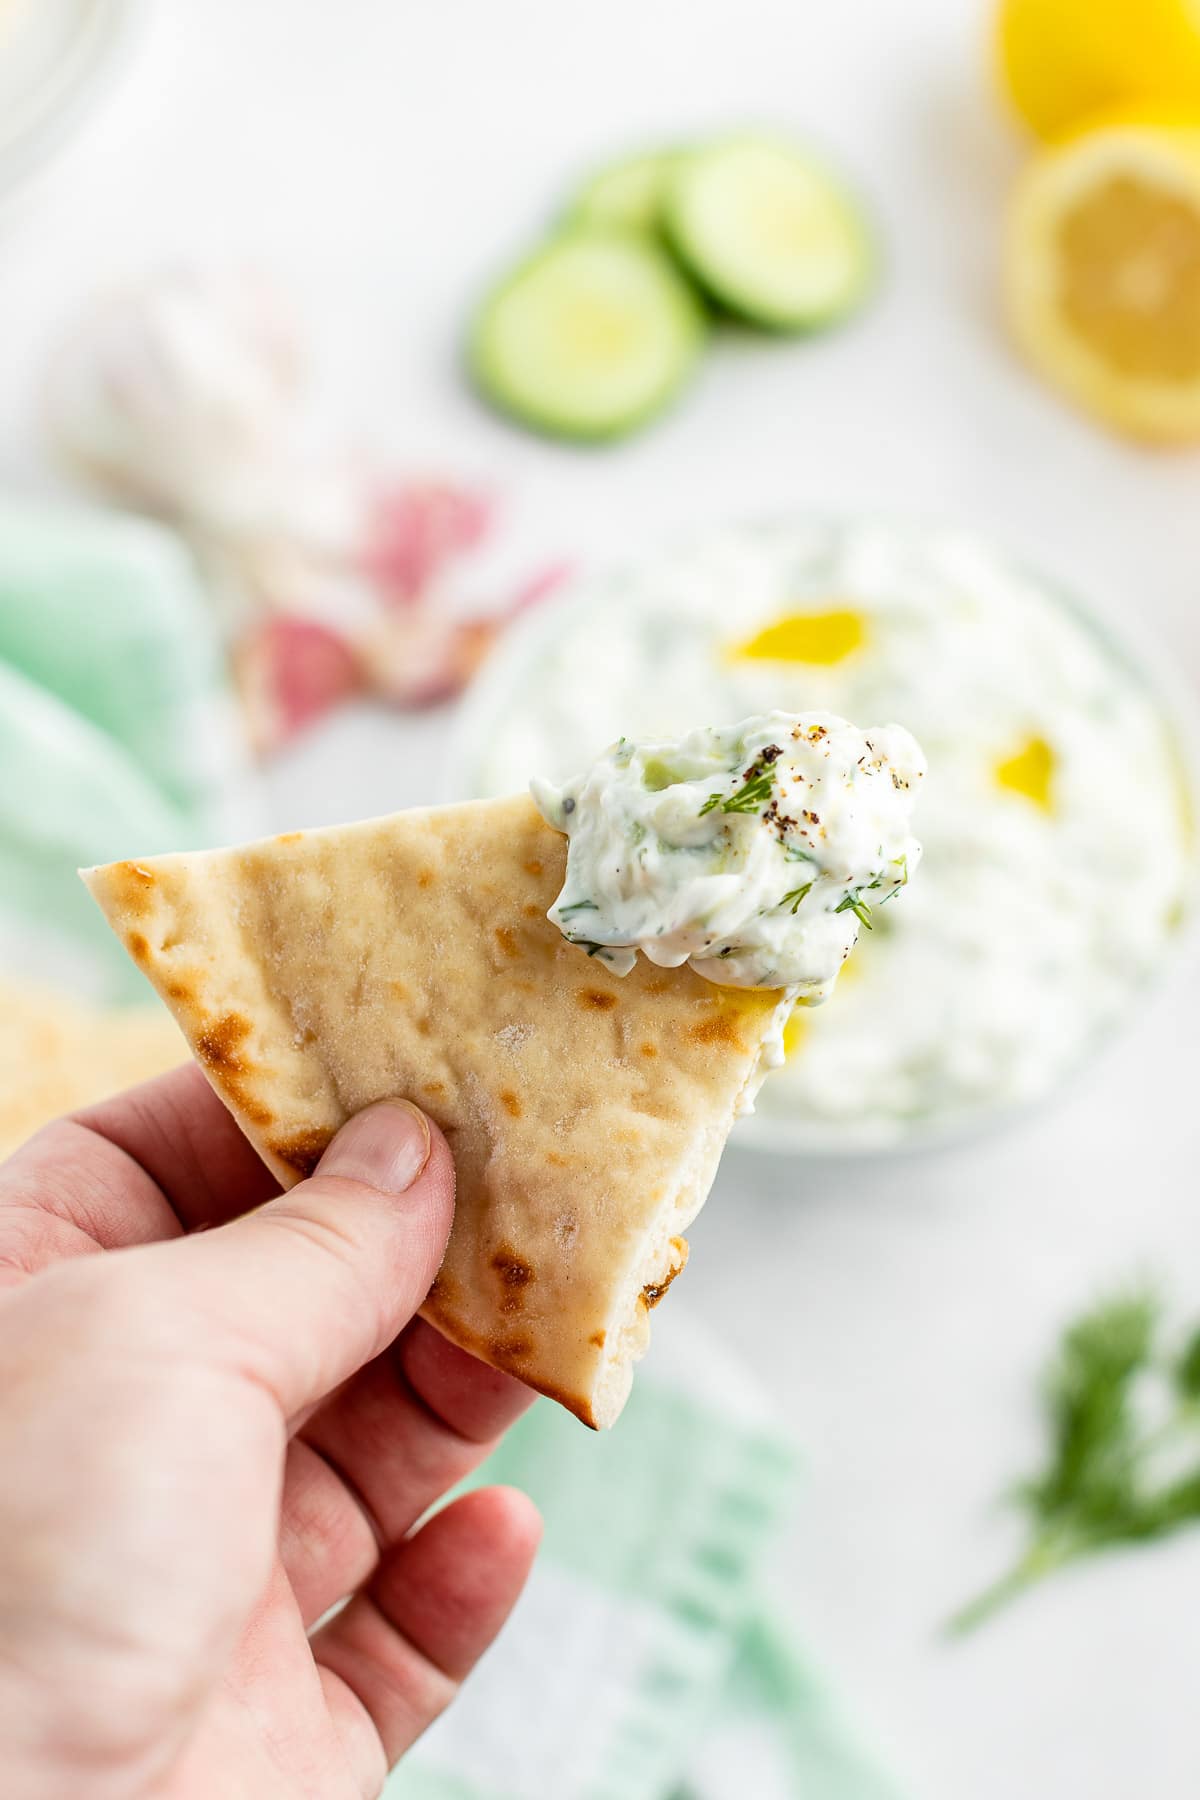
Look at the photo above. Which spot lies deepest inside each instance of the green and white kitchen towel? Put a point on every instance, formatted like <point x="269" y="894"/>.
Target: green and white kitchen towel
<point x="643" y="1661"/>
<point x="118" y="735"/>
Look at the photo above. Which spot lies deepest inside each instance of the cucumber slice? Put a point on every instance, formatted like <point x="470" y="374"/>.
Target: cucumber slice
<point x="769" y="233"/>
<point x="590" y="337"/>
<point x="627" y="194"/>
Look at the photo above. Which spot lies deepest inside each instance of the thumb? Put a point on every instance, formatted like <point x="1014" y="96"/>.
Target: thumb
<point x="311" y="1286"/>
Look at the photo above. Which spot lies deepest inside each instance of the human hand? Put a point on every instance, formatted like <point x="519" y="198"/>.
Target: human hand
<point x="209" y="1437"/>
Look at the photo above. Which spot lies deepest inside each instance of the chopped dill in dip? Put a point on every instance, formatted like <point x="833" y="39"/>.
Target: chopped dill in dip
<point x="754" y="852"/>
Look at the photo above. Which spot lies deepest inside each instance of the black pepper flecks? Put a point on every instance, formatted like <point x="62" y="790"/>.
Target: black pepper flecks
<point x="778" y="822"/>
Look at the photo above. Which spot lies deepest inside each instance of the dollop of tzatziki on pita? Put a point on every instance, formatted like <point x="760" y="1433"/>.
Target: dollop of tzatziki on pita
<point x="754" y="852"/>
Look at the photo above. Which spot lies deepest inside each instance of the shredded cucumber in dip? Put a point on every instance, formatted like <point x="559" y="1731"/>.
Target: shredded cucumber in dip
<point x="754" y="852"/>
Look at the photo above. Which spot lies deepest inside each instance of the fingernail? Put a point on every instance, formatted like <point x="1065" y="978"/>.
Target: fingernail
<point x="386" y="1145"/>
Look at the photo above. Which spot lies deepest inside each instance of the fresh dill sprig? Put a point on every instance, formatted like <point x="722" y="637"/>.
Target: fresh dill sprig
<point x="1111" y="1476"/>
<point x="577" y="906"/>
<point x="797" y="895"/>
<point x="756" y="786"/>
<point x="854" y="902"/>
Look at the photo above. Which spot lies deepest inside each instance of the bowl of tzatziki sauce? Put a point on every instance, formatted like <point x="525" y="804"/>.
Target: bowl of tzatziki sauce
<point x="1059" y="851"/>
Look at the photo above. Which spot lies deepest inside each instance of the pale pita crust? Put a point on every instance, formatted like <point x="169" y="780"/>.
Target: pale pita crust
<point x="314" y="972"/>
<point x="57" y="1054"/>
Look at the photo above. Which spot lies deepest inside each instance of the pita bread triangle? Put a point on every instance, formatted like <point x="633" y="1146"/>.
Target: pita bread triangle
<point x="317" y="971"/>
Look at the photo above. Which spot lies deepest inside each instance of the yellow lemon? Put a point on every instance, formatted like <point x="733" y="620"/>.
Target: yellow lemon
<point x="1102" y="272"/>
<point x="1061" y="60"/>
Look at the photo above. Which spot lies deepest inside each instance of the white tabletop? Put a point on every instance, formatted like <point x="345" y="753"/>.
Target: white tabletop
<point x="381" y="159"/>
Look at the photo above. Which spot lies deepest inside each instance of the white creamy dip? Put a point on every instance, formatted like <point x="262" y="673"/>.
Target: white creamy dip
<point x="1057" y="850"/>
<point x="753" y="852"/>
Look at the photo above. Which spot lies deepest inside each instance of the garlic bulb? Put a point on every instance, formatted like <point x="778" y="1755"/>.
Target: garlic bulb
<point x="181" y="395"/>
<point x="178" y="393"/>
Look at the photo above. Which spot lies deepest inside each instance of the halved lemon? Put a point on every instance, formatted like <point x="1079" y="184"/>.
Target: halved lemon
<point x="1102" y="272"/>
<point x="1061" y="60"/>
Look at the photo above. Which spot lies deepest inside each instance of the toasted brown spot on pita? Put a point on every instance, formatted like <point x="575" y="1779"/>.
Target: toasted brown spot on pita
<point x="574" y="1403"/>
<point x="289" y="837"/>
<point x="218" y="1044"/>
<point x="433" y="1087"/>
<point x="598" y="998"/>
<point x="506" y="937"/>
<point x="138" y="947"/>
<point x="179" y="990"/>
<point x="134" y="883"/>
<point x="720" y="1029"/>
<point x="509" y="1352"/>
<point x="557" y="1161"/>
<point x="302" y="1151"/>
<point x="533" y="866"/>
<point x="531" y="911"/>
<point x="218" y="1047"/>
<point x="425" y="1025"/>
<point x="658" y="985"/>
<point x="599" y="1338"/>
<point x="648" y="1049"/>
<point x="653" y="1291"/>
<point x="397" y="990"/>
<point x="512" y="1269"/>
<point x="425" y="878"/>
<point x="510" y="1103"/>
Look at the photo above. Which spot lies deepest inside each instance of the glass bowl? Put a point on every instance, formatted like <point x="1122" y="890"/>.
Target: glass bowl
<point x="1047" y="903"/>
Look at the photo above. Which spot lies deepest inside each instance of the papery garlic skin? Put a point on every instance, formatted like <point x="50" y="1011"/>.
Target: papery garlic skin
<point x="178" y="392"/>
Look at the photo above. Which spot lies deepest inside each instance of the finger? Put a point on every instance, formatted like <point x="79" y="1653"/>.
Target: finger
<point x="389" y="1444"/>
<point x="328" y="1544"/>
<point x="470" y="1399"/>
<point x="134" y="1169"/>
<point x="66" y="1193"/>
<point x="300" y="1294"/>
<point x="395" y="1655"/>
<point x="186" y="1140"/>
<point x="411" y="1424"/>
